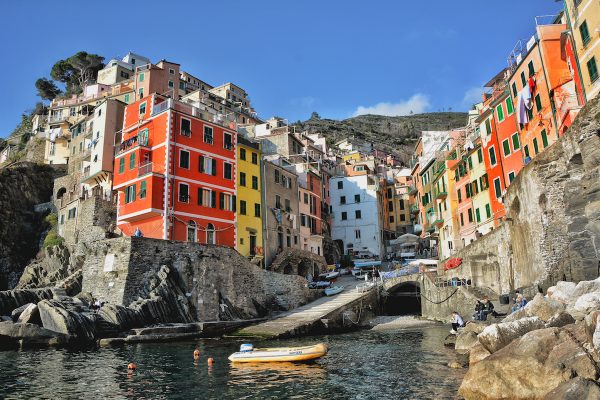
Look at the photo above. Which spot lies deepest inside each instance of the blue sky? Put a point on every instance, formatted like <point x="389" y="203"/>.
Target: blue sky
<point x="338" y="58"/>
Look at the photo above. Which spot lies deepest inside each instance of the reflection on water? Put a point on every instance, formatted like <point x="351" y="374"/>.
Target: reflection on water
<point x="360" y="365"/>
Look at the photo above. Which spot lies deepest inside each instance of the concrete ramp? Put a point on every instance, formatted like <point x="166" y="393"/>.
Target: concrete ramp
<point x="306" y="319"/>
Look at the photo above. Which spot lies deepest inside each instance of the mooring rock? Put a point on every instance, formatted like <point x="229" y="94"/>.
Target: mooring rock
<point x="123" y="318"/>
<point x="68" y="317"/>
<point x="561" y="319"/>
<point x="23" y="334"/>
<point x="540" y="306"/>
<point x="496" y="336"/>
<point x="563" y="292"/>
<point x="465" y="341"/>
<point x="31" y="315"/>
<point x="531" y="366"/>
<point x="575" y="389"/>
<point x="477" y="353"/>
<point x="475" y="327"/>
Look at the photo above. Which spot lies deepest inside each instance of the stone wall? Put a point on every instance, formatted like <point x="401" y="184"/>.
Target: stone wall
<point x="552" y="229"/>
<point x="219" y="283"/>
<point x="299" y="262"/>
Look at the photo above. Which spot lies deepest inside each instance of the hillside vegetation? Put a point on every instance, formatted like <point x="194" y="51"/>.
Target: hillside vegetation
<point x="393" y="134"/>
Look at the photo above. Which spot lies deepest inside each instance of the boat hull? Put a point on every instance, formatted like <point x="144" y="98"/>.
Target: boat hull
<point x="282" y="354"/>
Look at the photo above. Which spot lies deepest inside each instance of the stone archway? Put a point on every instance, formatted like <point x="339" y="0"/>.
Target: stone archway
<point x="403" y="299"/>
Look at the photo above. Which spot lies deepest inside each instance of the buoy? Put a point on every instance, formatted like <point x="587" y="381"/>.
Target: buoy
<point x="196" y="354"/>
<point x="210" y="361"/>
<point x="131" y="366"/>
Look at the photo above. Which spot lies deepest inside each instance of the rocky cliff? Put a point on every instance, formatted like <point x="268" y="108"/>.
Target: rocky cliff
<point x="22" y="186"/>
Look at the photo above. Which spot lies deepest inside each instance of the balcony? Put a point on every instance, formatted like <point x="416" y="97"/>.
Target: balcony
<point x="412" y="190"/>
<point x="565" y="105"/>
<point x="147" y="169"/>
<point x="441" y="194"/>
<point x="414" y="209"/>
<point x="57" y="119"/>
<point x="438" y="222"/>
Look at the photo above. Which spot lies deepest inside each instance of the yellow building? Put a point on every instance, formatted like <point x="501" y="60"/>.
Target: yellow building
<point x="249" y="201"/>
<point x="583" y="17"/>
<point x="353" y="156"/>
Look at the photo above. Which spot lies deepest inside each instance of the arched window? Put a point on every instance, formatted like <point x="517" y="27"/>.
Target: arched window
<point x="191" y="231"/>
<point x="280" y="238"/>
<point x="288" y="238"/>
<point x="211" y="235"/>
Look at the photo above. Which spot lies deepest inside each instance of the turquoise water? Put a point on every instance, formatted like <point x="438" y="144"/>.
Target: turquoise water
<point x="360" y="365"/>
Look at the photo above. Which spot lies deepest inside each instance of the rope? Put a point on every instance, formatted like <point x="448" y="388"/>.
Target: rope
<point x="440" y="302"/>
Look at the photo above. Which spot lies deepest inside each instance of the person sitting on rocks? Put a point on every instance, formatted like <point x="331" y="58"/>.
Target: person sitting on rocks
<point x="457" y="322"/>
<point x="486" y="309"/>
<point x="478" y="308"/>
<point x="520" y="302"/>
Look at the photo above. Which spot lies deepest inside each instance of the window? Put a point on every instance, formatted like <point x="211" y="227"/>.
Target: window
<point x="243" y="154"/>
<point x="171" y="71"/>
<point x="538" y="103"/>
<point x="254" y="158"/>
<point x="255" y="182"/>
<point x="340" y="185"/>
<point x="506" y="147"/>
<point x="142" y="77"/>
<point x="182" y="85"/>
<point x="143" y="190"/>
<point x="143" y="108"/>
<point x="477" y="215"/>
<point x="470" y="214"/>
<point x="483" y="182"/>
<point x="257" y="210"/>
<point x="126" y="98"/>
<point x="171" y="84"/>
<point x="357" y="198"/>
<point x="357" y="214"/>
<point x="390" y="206"/>
<point x="278" y="201"/>
<point x="207" y="165"/>
<point x="72" y="213"/>
<point x="523" y="80"/>
<point x="227" y="170"/>
<point x="585" y="33"/>
<point x="191" y="232"/>
<point x="530" y="68"/>
<point x="211" y="235"/>
<point x="492" y="153"/>
<point x="276" y="176"/>
<point x="344" y="215"/>
<point x="208" y="134"/>
<point x="243" y="207"/>
<point x="227" y="141"/>
<point x="488" y="127"/>
<point x="207" y="198"/>
<point x="479" y="155"/>
<point x="516" y="142"/>
<point x="122" y="165"/>
<point x="526" y="149"/>
<point x="402" y="204"/>
<point x="132" y="161"/>
<point x="184" y="193"/>
<point x="509" y="106"/>
<point x="357" y="233"/>
<point x="288" y="205"/>
<point x="544" y="138"/>
<point x="462" y="220"/>
<point x="511" y="177"/>
<point x="184" y="159"/>
<point x="143" y="137"/>
<point x="536" y="149"/>
<point x="475" y="187"/>
<point x="402" y="217"/>
<point x="303" y="220"/>
<point x="470" y="162"/>
<point x="342" y="199"/>
<point x="514" y="89"/>
<point x="130" y="194"/>
<point x="141" y="93"/>
<point x="497" y="188"/>
<point x="459" y="195"/>
<point x="592" y="69"/>
<point x="488" y="211"/>
<point x="186" y="127"/>
<point x="242" y="179"/>
<point x="62" y="219"/>
<point x="500" y="112"/>
<point x="305" y="198"/>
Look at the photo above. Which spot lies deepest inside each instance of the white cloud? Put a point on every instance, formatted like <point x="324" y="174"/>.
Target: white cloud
<point x="418" y="103"/>
<point x="472" y="96"/>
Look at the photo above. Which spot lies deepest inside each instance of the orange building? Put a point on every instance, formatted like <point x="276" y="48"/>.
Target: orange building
<point x="175" y="173"/>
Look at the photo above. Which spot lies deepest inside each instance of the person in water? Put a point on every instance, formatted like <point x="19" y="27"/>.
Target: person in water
<point x="457" y="322"/>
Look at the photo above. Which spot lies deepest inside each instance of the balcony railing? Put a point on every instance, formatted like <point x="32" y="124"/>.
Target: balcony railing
<point x="55" y="119"/>
<point x="145" y="169"/>
<point x="567" y="104"/>
<point x="441" y="194"/>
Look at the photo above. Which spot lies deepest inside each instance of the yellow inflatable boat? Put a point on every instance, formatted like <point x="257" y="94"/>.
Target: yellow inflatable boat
<point x="278" y="354"/>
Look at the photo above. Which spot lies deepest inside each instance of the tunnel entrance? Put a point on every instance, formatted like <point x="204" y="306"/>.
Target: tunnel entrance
<point x="404" y="299"/>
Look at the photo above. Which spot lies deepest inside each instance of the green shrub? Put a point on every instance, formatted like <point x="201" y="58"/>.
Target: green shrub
<point x="51" y="219"/>
<point x="52" y="239"/>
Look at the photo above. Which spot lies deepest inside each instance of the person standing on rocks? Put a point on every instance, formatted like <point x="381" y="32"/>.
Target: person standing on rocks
<point x="457" y="322"/>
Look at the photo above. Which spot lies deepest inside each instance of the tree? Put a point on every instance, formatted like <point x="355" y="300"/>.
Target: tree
<point x="47" y="90"/>
<point x="64" y="72"/>
<point x="315" y="115"/>
<point x="87" y="66"/>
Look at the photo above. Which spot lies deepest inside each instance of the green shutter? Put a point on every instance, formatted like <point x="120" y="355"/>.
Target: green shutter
<point x="222" y="201"/>
<point x="488" y="127"/>
<point x="133" y="190"/>
<point x="477" y="215"/>
<point x="199" y="196"/>
<point x="132" y="161"/>
<point x="536" y="149"/>
<point x="523" y="80"/>
<point x="500" y="113"/>
<point x="497" y="188"/>
<point x="142" y="77"/>
<point x="214" y="167"/>
<point x="488" y="211"/>
<point x="509" y="106"/>
<point x="143" y="190"/>
<point x="516" y="142"/>
<point x="592" y="69"/>
<point x="492" y="153"/>
<point x="201" y="163"/>
<point x="526" y="149"/>
<point x="470" y="163"/>
<point x="584" y="32"/>
<point x="531" y="69"/>
<point x="506" y="147"/>
<point x="126" y="99"/>
<point x="514" y="89"/>
<point x="544" y="138"/>
<point x="213" y="199"/>
<point x="538" y="103"/>
<point x="122" y="165"/>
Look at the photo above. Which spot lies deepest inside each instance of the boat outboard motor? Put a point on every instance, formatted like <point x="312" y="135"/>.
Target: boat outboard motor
<point x="246" y="347"/>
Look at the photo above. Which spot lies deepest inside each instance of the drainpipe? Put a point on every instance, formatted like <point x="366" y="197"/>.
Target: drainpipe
<point x="173" y="176"/>
<point x="265" y="236"/>
<point x="548" y="86"/>
<point x="166" y="188"/>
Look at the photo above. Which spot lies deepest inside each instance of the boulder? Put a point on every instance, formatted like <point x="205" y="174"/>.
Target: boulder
<point x="540" y="306"/>
<point x="590" y="322"/>
<point x="122" y="318"/>
<point x="450" y="340"/>
<point x="475" y="327"/>
<point x="586" y="287"/>
<point x="496" y="336"/>
<point x="31" y="315"/>
<point x="584" y="305"/>
<point x="531" y="366"/>
<point x="561" y="319"/>
<point x="465" y="341"/>
<point x="16" y="313"/>
<point x="477" y="353"/>
<point x="563" y="292"/>
<point x="69" y="317"/>
<point x="596" y="337"/>
<point x="575" y="389"/>
<point x="23" y="334"/>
